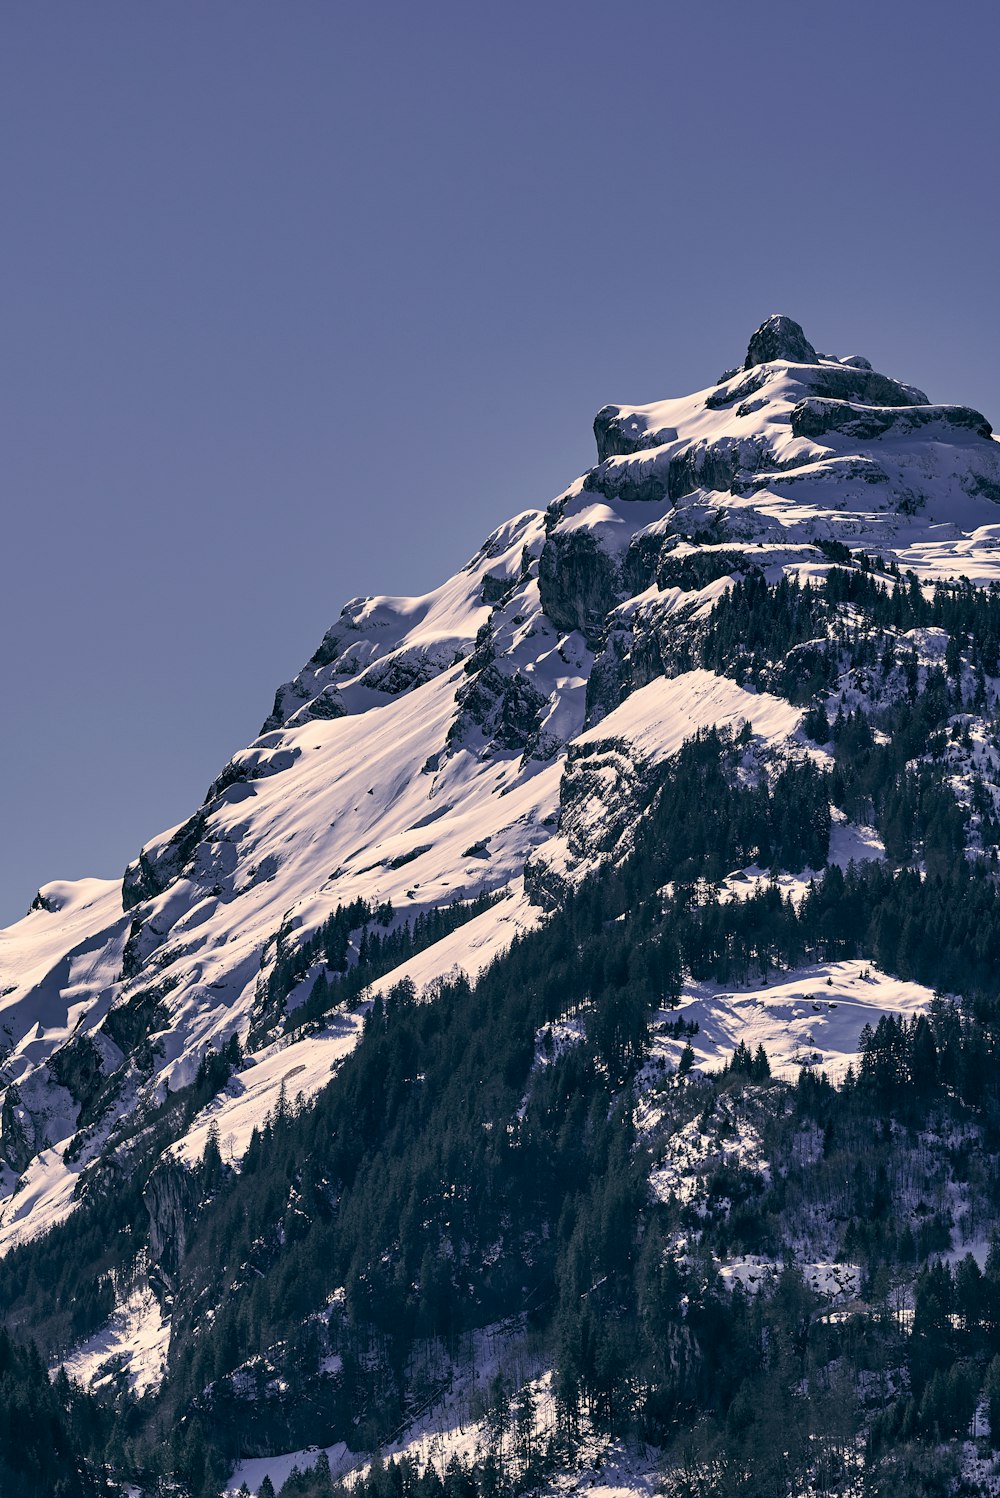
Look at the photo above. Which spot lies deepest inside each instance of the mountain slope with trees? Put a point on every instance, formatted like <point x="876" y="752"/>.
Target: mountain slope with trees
<point x="404" y="1083"/>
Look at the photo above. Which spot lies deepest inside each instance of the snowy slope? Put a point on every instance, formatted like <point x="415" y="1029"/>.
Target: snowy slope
<point x="487" y="737"/>
<point x="811" y="1018"/>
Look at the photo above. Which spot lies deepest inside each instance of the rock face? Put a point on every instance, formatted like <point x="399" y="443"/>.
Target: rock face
<point x="170" y="1198"/>
<point x="618" y="435"/>
<point x="157" y="868"/>
<point x="577" y="582"/>
<point x="780" y="338"/>
<point x="817" y="418"/>
<point x="503" y="706"/>
<point x="18" y="1136"/>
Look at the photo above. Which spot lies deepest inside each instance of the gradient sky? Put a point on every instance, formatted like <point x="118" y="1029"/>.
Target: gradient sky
<point x="299" y="300"/>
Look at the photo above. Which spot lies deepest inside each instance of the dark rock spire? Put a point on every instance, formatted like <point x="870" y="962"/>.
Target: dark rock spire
<point x="780" y="338"/>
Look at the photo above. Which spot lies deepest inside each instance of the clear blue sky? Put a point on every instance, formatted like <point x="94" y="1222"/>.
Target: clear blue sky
<point x="298" y="300"/>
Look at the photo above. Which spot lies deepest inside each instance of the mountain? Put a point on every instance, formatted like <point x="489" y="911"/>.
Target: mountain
<point x="680" y="792"/>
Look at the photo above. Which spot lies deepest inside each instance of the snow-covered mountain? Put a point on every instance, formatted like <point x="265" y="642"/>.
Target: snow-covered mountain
<point x="445" y="772"/>
<point x="485" y="739"/>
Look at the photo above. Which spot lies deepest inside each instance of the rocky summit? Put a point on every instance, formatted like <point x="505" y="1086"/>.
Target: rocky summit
<point x="565" y="1036"/>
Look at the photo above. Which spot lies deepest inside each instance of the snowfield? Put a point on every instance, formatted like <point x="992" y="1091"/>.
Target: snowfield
<point x="813" y="1017"/>
<point x="132" y="1345"/>
<point x="656" y="719"/>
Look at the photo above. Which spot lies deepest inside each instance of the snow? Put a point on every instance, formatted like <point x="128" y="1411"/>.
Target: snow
<point x="691" y="1153"/>
<point x="301" y="1069"/>
<point x="643" y="731"/>
<point x="450" y="1424"/>
<point x="838" y="487"/>
<point x="850" y="843"/>
<point x="744" y="884"/>
<point x="449" y="1428"/>
<point x="833" y="1282"/>
<point x="811" y="1017"/>
<point x="472" y="947"/>
<point x="44" y="1197"/>
<point x="321" y="840"/>
<point x="656" y="719"/>
<point x="611" y="521"/>
<point x="279" y="1468"/>
<point x="377" y="780"/>
<point x="554" y="1040"/>
<point x="134" y="1342"/>
<point x="50" y="963"/>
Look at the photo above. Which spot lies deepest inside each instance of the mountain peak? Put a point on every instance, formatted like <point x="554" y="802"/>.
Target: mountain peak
<point x="780" y="338"/>
<point x="745" y="605"/>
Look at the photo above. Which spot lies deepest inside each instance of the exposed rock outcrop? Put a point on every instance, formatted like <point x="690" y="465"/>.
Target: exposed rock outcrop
<point x="815" y="417"/>
<point x="577" y="582"/>
<point x="619" y="434"/>
<point x="18" y="1142"/>
<point x="159" y="864"/>
<point x="171" y="1199"/>
<point x="499" y="707"/>
<point x="780" y="338"/>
